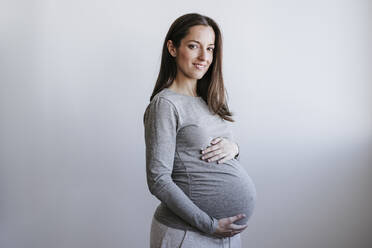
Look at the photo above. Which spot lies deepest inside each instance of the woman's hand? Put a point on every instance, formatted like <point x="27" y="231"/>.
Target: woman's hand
<point x="226" y="228"/>
<point x="222" y="149"/>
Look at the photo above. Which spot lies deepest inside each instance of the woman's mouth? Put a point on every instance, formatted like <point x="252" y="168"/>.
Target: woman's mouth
<point x="199" y="66"/>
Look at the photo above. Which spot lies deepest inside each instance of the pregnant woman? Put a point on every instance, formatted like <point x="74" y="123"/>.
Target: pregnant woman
<point x="192" y="160"/>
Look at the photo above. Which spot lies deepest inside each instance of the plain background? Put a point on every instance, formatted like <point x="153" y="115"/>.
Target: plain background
<point x="76" y="77"/>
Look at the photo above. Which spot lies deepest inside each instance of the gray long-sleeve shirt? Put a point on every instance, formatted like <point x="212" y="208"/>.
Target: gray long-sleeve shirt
<point x="194" y="193"/>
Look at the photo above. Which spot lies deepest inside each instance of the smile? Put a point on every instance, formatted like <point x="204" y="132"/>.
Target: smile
<point x="199" y="66"/>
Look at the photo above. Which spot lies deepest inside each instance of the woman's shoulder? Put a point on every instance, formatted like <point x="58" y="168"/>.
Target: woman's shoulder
<point x="170" y="97"/>
<point x="163" y="99"/>
<point x="162" y="102"/>
<point x="165" y="94"/>
<point x="168" y="102"/>
<point x="161" y="107"/>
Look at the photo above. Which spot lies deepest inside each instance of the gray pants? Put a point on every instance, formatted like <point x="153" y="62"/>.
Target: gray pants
<point x="162" y="236"/>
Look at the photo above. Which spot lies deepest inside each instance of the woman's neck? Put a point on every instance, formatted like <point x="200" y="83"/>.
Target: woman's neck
<point x="185" y="87"/>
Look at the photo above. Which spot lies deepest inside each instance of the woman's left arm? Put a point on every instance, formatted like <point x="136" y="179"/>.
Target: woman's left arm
<point x="222" y="149"/>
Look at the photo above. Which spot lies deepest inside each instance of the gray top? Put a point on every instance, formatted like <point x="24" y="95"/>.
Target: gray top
<point x="194" y="193"/>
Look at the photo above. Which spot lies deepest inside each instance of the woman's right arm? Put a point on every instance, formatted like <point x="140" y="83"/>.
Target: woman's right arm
<point x="161" y="123"/>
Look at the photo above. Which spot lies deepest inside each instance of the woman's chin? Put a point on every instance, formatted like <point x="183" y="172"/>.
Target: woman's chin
<point x="199" y="76"/>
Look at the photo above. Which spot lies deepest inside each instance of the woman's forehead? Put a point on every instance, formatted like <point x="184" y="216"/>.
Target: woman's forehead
<point x="201" y="34"/>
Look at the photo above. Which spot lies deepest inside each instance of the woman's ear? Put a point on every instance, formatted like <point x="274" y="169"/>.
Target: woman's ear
<point x="171" y="49"/>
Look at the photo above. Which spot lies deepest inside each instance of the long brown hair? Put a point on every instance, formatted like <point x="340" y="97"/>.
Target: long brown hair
<point x="210" y="87"/>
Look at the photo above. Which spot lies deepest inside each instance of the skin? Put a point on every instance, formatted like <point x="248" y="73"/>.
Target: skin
<point x="197" y="47"/>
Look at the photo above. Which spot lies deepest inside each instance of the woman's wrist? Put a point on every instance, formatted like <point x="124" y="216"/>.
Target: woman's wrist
<point x="237" y="150"/>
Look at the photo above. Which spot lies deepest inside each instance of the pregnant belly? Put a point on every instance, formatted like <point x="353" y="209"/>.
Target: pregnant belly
<point x="223" y="191"/>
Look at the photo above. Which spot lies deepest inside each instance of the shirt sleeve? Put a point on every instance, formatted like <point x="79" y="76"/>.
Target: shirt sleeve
<point x="161" y="124"/>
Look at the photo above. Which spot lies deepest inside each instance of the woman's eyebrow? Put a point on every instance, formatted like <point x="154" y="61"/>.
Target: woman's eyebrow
<point x="199" y="42"/>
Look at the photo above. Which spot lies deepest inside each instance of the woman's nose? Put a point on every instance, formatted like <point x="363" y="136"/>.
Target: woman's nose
<point x="202" y="55"/>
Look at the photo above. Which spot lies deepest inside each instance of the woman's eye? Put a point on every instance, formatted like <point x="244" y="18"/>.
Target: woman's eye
<point x="211" y="48"/>
<point x="192" y="46"/>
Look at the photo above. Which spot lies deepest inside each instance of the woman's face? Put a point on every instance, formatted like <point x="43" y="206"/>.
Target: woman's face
<point x="195" y="53"/>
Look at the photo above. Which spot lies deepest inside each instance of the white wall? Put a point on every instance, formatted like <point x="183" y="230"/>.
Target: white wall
<point x="75" y="80"/>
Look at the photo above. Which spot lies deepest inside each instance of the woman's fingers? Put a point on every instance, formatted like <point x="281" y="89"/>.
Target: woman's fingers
<point x="227" y="228"/>
<point x="236" y="218"/>
<point x="221" y="149"/>
<point x="216" y="140"/>
<point x="214" y="153"/>
<point x="235" y="227"/>
<point x="224" y="159"/>
<point x="233" y="231"/>
<point x="217" y="157"/>
<point x="210" y="149"/>
<point x="216" y="144"/>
